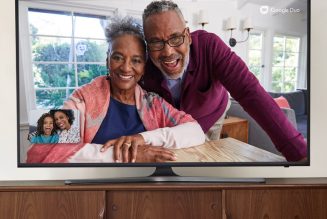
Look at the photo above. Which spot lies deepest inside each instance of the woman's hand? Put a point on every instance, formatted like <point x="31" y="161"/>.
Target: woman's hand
<point x="124" y="146"/>
<point x="154" y="154"/>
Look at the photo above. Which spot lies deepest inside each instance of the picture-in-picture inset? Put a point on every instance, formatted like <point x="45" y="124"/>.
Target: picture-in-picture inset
<point x="54" y="126"/>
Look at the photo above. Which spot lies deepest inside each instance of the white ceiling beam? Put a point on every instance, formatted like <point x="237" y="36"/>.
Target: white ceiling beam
<point x="241" y="3"/>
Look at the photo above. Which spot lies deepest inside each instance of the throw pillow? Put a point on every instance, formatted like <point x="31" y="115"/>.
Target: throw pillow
<point x="282" y="102"/>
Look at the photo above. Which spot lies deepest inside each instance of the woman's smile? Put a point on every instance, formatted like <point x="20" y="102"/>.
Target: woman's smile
<point x="62" y="120"/>
<point x="125" y="77"/>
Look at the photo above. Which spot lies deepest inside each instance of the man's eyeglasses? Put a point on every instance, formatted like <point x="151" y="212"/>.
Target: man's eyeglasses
<point x="174" y="41"/>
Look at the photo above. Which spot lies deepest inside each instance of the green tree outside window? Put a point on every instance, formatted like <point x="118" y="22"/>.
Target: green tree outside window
<point x="61" y="61"/>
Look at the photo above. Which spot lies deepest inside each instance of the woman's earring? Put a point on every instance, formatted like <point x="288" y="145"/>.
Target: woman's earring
<point x="108" y="74"/>
<point x="108" y="69"/>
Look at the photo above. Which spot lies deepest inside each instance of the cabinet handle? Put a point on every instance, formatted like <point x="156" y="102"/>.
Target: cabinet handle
<point x="114" y="207"/>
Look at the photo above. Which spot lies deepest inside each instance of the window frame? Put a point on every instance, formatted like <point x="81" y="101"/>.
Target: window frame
<point x="73" y="39"/>
<point x="300" y="57"/>
<point x="263" y="75"/>
<point x="26" y="81"/>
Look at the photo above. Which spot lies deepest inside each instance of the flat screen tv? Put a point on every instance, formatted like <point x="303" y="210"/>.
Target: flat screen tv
<point x="62" y="47"/>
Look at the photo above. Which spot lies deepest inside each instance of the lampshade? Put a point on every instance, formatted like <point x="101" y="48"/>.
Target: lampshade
<point x="203" y="17"/>
<point x="231" y="23"/>
<point x="247" y="24"/>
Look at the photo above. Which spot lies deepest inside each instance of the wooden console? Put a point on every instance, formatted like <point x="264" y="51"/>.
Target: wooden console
<point x="277" y="198"/>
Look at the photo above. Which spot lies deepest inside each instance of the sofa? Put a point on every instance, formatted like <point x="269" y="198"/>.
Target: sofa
<point x="298" y="101"/>
<point x="297" y="115"/>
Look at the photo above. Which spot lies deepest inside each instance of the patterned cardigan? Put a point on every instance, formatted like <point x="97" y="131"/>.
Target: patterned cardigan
<point x="92" y="100"/>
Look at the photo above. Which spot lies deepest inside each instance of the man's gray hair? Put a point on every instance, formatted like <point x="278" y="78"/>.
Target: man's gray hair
<point x="156" y="7"/>
<point x="119" y="26"/>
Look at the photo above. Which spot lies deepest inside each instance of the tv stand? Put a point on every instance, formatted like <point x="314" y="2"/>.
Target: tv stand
<point x="164" y="174"/>
<point x="277" y="198"/>
<point x="163" y="171"/>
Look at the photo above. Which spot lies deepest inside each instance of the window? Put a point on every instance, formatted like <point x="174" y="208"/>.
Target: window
<point x="255" y="54"/>
<point x="285" y="63"/>
<point x="68" y="49"/>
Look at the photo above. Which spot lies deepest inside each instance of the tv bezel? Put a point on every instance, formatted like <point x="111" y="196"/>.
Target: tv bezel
<point x="168" y="164"/>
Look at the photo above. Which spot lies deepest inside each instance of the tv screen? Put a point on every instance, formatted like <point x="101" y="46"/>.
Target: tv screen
<point x="200" y="83"/>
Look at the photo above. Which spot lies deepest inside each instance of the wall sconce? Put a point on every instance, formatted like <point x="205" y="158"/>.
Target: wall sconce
<point x="231" y="25"/>
<point x="203" y="18"/>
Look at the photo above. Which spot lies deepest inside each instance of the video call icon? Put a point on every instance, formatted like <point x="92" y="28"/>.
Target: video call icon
<point x="264" y="9"/>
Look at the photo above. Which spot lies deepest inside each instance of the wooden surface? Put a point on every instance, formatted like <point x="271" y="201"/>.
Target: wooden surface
<point x="235" y="127"/>
<point x="58" y="185"/>
<point x="280" y="203"/>
<point x="52" y="204"/>
<point x="164" y="204"/>
<point x="277" y="198"/>
<point x="226" y="150"/>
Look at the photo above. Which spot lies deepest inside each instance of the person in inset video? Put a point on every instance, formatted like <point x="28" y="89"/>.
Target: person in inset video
<point x="195" y="71"/>
<point x="64" y="119"/>
<point x="138" y="126"/>
<point x="45" y="131"/>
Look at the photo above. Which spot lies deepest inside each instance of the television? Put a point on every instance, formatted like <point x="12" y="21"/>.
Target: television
<point x="61" y="46"/>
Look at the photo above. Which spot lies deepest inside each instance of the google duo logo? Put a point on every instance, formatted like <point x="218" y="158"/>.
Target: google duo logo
<point x="264" y="9"/>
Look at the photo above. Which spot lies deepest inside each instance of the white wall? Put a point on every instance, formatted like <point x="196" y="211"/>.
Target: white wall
<point x="8" y="147"/>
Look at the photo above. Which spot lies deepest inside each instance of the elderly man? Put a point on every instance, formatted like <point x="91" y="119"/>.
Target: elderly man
<point x="195" y="71"/>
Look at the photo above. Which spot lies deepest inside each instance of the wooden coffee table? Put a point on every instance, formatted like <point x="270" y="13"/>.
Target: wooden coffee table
<point x="226" y="150"/>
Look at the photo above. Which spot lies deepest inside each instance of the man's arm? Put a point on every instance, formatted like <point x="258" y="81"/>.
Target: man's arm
<point x="244" y="87"/>
<point x="184" y="135"/>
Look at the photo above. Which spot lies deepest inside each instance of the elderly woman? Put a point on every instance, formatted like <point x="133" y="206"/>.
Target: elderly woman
<point x="117" y="112"/>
